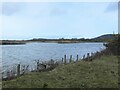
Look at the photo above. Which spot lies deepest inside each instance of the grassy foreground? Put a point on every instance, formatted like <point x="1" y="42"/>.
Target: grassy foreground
<point x="101" y="73"/>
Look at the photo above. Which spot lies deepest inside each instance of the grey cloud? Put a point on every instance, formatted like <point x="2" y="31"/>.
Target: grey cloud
<point x="113" y="6"/>
<point x="58" y="11"/>
<point x="9" y="8"/>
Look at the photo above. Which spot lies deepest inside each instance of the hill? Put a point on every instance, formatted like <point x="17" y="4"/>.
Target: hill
<point x="106" y="37"/>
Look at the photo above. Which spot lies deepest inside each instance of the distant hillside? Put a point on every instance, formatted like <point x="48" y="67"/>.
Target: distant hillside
<point x="102" y="38"/>
<point x="106" y="37"/>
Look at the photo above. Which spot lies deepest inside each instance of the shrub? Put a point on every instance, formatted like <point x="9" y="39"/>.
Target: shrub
<point x="114" y="46"/>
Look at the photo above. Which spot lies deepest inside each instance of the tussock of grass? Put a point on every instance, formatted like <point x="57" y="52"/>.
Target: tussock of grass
<point x="101" y="73"/>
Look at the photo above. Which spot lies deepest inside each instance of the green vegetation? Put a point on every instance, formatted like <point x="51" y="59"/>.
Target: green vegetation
<point x="114" y="46"/>
<point x="102" y="72"/>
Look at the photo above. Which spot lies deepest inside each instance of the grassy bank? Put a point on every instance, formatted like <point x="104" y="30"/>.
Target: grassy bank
<point x="101" y="73"/>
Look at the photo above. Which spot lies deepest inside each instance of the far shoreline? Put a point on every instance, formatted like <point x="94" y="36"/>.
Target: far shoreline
<point x="103" y="38"/>
<point x="58" y="42"/>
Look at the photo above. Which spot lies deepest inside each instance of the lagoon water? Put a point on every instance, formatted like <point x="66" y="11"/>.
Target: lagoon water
<point x="28" y="53"/>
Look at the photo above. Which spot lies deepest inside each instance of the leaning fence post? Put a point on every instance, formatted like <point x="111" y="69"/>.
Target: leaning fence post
<point x="65" y="59"/>
<point x="18" y="70"/>
<point x="77" y="58"/>
<point x="70" y="58"/>
<point x="8" y="74"/>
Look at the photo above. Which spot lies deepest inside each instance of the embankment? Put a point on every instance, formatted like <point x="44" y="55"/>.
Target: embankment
<point x="98" y="73"/>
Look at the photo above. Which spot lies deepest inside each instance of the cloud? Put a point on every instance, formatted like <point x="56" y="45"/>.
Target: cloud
<point x="10" y="8"/>
<point x="58" y="11"/>
<point x="113" y="6"/>
<point x="57" y="19"/>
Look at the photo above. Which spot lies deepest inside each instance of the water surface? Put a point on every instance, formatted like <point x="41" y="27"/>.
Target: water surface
<point x="28" y="53"/>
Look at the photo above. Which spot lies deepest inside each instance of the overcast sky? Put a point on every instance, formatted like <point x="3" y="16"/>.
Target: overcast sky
<point x="58" y="19"/>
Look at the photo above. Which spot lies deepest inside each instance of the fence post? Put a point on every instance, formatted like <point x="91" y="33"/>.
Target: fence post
<point x="62" y="60"/>
<point x="77" y="58"/>
<point x="11" y="72"/>
<point x="65" y="59"/>
<point x="83" y="57"/>
<point x="2" y="74"/>
<point x="8" y="74"/>
<point x="88" y="56"/>
<point x="38" y="65"/>
<point x="18" y="70"/>
<point x="92" y="53"/>
<point x="70" y="58"/>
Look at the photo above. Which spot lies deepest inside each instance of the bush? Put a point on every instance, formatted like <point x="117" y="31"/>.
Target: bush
<point x="114" y="46"/>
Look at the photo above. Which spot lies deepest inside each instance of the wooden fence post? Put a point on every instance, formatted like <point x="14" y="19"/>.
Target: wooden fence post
<point x="11" y="73"/>
<point x="38" y="65"/>
<point x="62" y="60"/>
<point x="70" y="58"/>
<point x="2" y="74"/>
<point x="88" y="56"/>
<point x="77" y="58"/>
<point x="18" y="70"/>
<point x="83" y="57"/>
<point x="8" y="74"/>
<point x="92" y="53"/>
<point x="65" y="59"/>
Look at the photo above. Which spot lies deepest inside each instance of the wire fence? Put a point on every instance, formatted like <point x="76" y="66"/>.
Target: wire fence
<point x="19" y="69"/>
